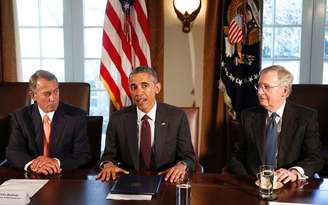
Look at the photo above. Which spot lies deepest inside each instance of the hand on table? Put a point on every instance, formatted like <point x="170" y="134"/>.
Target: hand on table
<point x="45" y="165"/>
<point x="110" y="171"/>
<point x="285" y="176"/>
<point x="175" y="173"/>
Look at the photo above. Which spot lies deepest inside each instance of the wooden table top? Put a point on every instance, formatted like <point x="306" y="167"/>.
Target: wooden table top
<point x="80" y="187"/>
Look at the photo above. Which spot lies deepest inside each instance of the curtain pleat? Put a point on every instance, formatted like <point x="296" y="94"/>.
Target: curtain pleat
<point x="7" y="42"/>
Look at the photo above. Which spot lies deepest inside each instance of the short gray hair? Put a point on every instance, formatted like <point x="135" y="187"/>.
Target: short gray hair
<point x="143" y="69"/>
<point x="284" y="76"/>
<point x="40" y="74"/>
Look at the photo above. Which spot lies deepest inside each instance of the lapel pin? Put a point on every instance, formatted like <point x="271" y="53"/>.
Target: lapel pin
<point x="163" y="123"/>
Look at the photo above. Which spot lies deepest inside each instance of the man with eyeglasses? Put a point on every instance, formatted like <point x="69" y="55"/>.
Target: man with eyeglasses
<point x="49" y="135"/>
<point x="278" y="132"/>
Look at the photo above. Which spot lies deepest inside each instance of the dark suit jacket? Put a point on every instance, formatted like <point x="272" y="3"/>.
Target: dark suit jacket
<point x="172" y="140"/>
<point x="68" y="138"/>
<point x="298" y="142"/>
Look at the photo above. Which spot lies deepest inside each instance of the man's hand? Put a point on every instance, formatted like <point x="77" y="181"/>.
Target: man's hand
<point x="285" y="176"/>
<point x="175" y="173"/>
<point x="45" y="165"/>
<point x="110" y="171"/>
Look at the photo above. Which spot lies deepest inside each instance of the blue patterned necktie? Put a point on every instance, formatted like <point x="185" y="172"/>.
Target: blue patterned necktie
<point x="271" y="140"/>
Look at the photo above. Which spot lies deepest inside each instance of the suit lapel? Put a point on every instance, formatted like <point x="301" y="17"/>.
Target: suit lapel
<point x="259" y="131"/>
<point x="288" y="127"/>
<point x="57" y="127"/>
<point x="131" y="130"/>
<point x="161" y="130"/>
<point x="36" y="128"/>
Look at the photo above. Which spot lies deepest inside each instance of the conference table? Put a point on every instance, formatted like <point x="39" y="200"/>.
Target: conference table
<point x="80" y="187"/>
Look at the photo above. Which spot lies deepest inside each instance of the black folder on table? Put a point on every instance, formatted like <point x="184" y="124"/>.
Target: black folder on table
<point x="132" y="184"/>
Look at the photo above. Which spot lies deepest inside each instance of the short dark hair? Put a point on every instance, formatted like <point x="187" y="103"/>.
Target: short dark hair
<point x="40" y="74"/>
<point x="144" y="69"/>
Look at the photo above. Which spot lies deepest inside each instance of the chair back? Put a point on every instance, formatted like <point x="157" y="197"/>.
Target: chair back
<point x="193" y="119"/>
<point x="316" y="97"/>
<point x="77" y="94"/>
<point x="94" y="132"/>
<point x="13" y="95"/>
<point x="4" y="136"/>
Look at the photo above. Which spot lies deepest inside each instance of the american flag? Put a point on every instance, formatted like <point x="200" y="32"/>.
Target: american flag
<point x="126" y="45"/>
<point x="235" y="30"/>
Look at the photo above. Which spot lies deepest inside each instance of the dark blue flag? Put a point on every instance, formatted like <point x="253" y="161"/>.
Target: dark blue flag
<point x="241" y="54"/>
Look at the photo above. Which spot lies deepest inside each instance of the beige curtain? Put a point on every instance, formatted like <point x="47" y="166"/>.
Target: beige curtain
<point x="213" y="140"/>
<point x="7" y="42"/>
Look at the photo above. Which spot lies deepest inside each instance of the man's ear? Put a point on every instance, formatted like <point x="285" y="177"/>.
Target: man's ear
<point x="157" y="87"/>
<point x="32" y="94"/>
<point x="286" y="90"/>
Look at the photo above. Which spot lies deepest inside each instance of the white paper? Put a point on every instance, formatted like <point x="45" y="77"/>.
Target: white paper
<point x="128" y="196"/>
<point x="285" y="203"/>
<point x="14" y="197"/>
<point x="30" y="186"/>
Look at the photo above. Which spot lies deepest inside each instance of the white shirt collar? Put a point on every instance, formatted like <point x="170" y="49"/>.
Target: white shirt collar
<point x="151" y="114"/>
<point x="50" y="114"/>
<point x="280" y="110"/>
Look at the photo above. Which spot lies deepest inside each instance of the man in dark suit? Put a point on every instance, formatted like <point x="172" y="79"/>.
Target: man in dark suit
<point x="47" y="136"/>
<point x="295" y="149"/>
<point x="170" y="150"/>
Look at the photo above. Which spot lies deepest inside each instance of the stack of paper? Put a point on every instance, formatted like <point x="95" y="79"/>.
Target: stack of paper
<point x="19" y="191"/>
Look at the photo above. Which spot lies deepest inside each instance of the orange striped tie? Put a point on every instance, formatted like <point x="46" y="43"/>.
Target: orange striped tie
<point x="47" y="130"/>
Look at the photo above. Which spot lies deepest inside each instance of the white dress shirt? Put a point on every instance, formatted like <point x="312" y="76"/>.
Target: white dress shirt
<point x="50" y="115"/>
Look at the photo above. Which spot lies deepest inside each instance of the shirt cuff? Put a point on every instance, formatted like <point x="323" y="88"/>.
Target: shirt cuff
<point x="27" y="165"/>
<point x="58" y="161"/>
<point x="300" y="170"/>
<point x="30" y="162"/>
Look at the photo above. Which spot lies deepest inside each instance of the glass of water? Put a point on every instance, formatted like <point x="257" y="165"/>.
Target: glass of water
<point x="266" y="180"/>
<point x="183" y="192"/>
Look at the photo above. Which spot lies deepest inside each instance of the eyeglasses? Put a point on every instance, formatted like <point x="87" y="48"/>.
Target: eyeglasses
<point x="265" y="88"/>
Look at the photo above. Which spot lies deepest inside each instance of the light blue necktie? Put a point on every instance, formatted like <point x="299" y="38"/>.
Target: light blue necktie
<point x="271" y="140"/>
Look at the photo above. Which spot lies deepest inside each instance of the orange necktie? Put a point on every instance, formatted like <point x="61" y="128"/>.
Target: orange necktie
<point x="47" y="130"/>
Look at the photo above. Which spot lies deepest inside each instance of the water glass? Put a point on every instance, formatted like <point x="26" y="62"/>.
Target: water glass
<point x="266" y="180"/>
<point x="183" y="192"/>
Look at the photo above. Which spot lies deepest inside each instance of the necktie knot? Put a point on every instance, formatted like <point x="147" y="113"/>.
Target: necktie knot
<point x="273" y="116"/>
<point x="46" y="119"/>
<point x="145" y="117"/>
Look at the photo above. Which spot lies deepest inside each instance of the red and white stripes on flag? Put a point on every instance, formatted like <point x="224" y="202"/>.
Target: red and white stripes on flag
<point x="235" y="34"/>
<point x="126" y="45"/>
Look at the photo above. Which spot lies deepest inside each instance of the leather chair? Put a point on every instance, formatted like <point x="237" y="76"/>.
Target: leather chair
<point x="94" y="131"/>
<point x="193" y="119"/>
<point x="4" y="137"/>
<point x="77" y="94"/>
<point x="13" y="95"/>
<point x="315" y="96"/>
